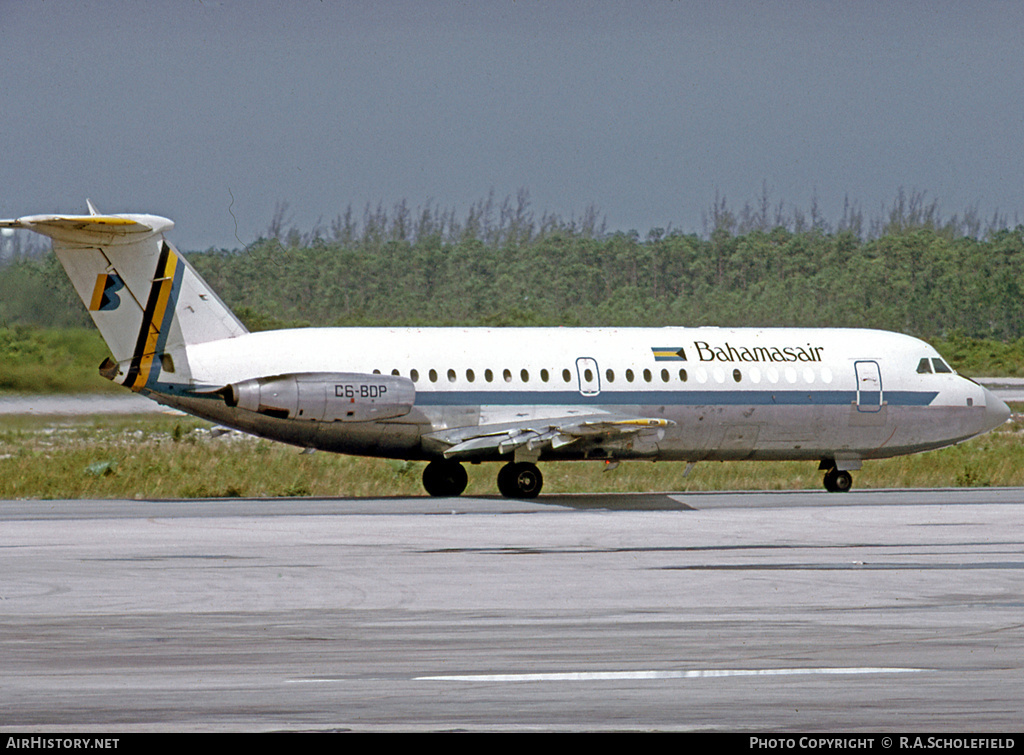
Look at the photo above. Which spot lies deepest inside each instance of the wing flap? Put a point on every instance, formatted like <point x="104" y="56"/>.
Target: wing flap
<point x="553" y="433"/>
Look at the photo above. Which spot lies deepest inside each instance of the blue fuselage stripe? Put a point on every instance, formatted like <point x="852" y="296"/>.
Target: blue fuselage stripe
<point x="664" y="398"/>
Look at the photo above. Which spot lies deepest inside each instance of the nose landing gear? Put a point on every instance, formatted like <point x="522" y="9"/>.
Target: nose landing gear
<point x="838" y="481"/>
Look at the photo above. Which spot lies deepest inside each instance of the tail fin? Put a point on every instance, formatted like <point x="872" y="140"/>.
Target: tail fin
<point x="148" y="302"/>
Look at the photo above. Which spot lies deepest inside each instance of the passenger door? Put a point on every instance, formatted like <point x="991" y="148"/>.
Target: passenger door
<point x="869" y="386"/>
<point x="589" y="377"/>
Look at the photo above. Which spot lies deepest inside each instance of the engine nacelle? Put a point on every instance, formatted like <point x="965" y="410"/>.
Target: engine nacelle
<point x="324" y="396"/>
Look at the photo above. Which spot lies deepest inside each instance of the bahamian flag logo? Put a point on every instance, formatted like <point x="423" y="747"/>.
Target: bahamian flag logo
<point x="668" y="353"/>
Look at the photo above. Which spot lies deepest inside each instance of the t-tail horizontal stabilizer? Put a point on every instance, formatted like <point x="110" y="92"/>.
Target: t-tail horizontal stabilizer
<point x="148" y="302"/>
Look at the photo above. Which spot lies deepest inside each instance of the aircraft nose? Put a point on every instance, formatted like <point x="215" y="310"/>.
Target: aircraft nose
<point x="996" y="411"/>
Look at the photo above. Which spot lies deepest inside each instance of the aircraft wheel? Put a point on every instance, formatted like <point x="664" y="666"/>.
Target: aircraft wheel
<point x="445" y="478"/>
<point x="837" y="481"/>
<point x="520" y="480"/>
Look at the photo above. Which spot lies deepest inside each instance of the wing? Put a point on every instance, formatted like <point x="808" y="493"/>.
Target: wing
<point x="550" y="433"/>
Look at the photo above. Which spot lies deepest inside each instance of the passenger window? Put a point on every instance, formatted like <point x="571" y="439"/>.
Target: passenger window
<point x="629" y="376"/>
<point x="647" y="375"/>
<point x="507" y="375"/>
<point x="451" y="376"/>
<point x="488" y="375"/>
<point x="414" y="375"/>
<point x="683" y="376"/>
<point x="433" y="376"/>
<point x="737" y="376"/>
<point x="924" y="367"/>
<point x="610" y="376"/>
<point x="395" y="373"/>
<point x="470" y="376"/>
<point x="941" y="366"/>
<point x="544" y="375"/>
<point x="664" y="376"/>
<point x="525" y="376"/>
<point x="566" y="375"/>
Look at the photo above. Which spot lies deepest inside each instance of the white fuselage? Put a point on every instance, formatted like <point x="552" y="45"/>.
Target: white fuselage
<point x="777" y="393"/>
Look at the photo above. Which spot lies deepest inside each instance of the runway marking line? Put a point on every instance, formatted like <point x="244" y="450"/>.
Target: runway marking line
<point x="582" y="676"/>
<point x="645" y="675"/>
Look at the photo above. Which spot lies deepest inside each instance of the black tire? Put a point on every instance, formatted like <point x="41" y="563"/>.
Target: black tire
<point x="506" y="484"/>
<point x="445" y="479"/>
<point x="837" y="481"/>
<point x="520" y="480"/>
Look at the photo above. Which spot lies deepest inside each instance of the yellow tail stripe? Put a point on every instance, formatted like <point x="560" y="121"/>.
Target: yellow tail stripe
<point x="165" y="281"/>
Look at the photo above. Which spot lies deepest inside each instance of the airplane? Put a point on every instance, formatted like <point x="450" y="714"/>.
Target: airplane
<point x="450" y="396"/>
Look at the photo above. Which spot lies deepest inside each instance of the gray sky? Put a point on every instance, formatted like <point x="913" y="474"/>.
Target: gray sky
<point x="645" y="109"/>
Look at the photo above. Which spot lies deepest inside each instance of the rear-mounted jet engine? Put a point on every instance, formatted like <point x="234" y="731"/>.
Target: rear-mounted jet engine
<point x="324" y="396"/>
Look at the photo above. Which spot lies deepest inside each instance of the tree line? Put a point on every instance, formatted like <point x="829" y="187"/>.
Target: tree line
<point x="917" y="281"/>
<point x="916" y="273"/>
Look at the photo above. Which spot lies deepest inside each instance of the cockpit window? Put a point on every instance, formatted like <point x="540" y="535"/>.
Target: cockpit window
<point x="940" y="366"/>
<point x="924" y="367"/>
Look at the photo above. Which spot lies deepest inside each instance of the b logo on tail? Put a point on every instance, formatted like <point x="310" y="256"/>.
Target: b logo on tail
<point x="104" y="296"/>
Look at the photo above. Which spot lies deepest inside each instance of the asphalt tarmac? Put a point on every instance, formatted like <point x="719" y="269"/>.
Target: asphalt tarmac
<point x="872" y="611"/>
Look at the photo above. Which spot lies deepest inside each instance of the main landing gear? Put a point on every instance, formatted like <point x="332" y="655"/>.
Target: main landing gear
<point x="445" y="479"/>
<point x="520" y="480"/>
<point x="448" y="479"/>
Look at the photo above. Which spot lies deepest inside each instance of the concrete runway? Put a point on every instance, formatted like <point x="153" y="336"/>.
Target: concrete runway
<point x="885" y="611"/>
